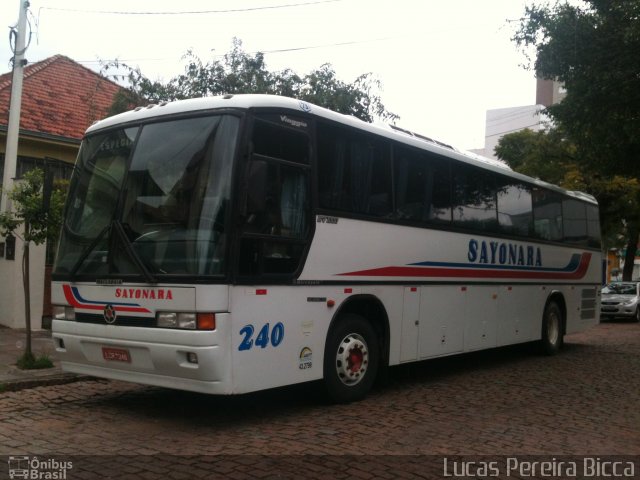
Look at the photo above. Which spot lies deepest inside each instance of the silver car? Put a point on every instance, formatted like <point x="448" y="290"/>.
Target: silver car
<point x="620" y="299"/>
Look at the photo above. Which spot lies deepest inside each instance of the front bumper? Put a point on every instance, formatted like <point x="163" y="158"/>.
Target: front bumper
<point x="611" y="311"/>
<point x="156" y="356"/>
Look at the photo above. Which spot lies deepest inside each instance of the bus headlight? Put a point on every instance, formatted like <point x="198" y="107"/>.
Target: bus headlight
<point x="167" y="319"/>
<point x="186" y="320"/>
<point x="63" y="312"/>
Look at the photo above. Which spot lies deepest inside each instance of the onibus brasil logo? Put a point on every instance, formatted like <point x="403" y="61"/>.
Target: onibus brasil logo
<point x="36" y="469"/>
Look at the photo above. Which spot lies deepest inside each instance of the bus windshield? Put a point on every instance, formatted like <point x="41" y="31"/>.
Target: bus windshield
<point x="150" y="200"/>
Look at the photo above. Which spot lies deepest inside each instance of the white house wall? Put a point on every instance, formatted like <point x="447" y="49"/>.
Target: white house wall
<point x="11" y="292"/>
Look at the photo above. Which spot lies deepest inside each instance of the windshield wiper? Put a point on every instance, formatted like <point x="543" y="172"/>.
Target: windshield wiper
<point x="128" y="247"/>
<point x="88" y="250"/>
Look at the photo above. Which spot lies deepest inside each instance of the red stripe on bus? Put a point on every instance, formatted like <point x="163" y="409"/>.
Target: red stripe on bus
<point x="68" y="295"/>
<point x="444" y="272"/>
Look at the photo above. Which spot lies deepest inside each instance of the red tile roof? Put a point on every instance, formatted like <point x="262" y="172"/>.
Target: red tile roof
<point x="60" y="97"/>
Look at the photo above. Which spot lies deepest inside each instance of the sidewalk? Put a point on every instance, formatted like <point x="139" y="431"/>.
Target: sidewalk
<point x="12" y="345"/>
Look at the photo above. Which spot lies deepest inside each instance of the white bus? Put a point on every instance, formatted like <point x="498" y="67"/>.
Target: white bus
<point x="232" y="244"/>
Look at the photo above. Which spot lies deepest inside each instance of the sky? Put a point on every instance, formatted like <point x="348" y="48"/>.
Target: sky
<point x="442" y="63"/>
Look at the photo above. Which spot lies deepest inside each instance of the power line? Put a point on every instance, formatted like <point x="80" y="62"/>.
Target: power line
<point x="280" y="50"/>
<point x="513" y="130"/>
<point x="194" y="12"/>
<point x="515" y="112"/>
<point x="521" y="118"/>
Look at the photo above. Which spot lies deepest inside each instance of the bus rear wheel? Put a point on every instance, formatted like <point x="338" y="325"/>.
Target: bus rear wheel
<point x="552" y="336"/>
<point x="351" y="359"/>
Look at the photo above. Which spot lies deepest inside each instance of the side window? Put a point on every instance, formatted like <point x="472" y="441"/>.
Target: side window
<point x="574" y="220"/>
<point x="547" y="214"/>
<point x="276" y="211"/>
<point x="410" y="176"/>
<point x="593" y="227"/>
<point x="422" y="186"/>
<point x="354" y="172"/>
<point x="474" y="198"/>
<point x="281" y="207"/>
<point x="274" y="141"/>
<point x="515" y="210"/>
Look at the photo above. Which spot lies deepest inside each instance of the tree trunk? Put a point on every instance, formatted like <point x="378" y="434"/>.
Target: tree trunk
<point x="630" y="255"/>
<point x="27" y="295"/>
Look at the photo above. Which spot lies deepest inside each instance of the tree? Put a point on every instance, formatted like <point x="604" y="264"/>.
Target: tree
<point x="549" y="156"/>
<point x="593" y="49"/>
<point x="544" y="154"/>
<point x="239" y="72"/>
<point x="40" y="221"/>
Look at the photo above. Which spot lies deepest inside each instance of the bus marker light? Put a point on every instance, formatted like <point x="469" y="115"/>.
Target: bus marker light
<point x="348" y="290"/>
<point x="206" y="321"/>
<point x="261" y="291"/>
<point x="331" y="303"/>
<point x="414" y="289"/>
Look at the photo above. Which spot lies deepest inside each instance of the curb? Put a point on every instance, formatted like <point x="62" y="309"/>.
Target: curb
<point x="57" y="379"/>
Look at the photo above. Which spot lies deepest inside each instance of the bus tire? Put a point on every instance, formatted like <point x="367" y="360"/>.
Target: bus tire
<point x="552" y="336"/>
<point x="351" y="358"/>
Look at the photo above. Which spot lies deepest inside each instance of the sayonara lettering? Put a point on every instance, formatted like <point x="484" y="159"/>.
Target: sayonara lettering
<point x="144" y="293"/>
<point x="502" y="253"/>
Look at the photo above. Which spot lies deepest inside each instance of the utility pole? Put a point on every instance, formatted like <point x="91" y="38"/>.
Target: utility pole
<point x="13" y="129"/>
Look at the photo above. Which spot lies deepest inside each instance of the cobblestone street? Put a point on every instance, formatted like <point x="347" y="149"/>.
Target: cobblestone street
<point x="584" y="401"/>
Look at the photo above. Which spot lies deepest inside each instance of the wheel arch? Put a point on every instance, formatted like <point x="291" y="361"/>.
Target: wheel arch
<point x="371" y="309"/>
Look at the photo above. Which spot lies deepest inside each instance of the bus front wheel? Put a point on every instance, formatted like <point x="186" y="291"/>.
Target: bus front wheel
<point x="351" y="359"/>
<point x="552" y="336"/>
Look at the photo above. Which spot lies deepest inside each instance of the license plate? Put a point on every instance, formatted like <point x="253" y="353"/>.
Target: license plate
<point x="116" y="354"/>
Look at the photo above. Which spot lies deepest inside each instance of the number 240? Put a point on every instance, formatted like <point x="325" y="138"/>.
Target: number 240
<point x="262" y="340"/>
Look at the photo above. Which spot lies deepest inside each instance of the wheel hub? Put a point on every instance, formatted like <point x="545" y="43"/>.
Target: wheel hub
<point x="352" y="359"/>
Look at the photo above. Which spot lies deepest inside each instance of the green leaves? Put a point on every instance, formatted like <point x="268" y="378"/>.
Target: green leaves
<point x="550" y="156"/>
<point x="593" y="49"/>
<point x="26" y="197"/>
<point x="240" y="72"/>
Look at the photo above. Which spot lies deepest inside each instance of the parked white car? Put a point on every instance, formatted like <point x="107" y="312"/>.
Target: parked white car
<point x="620" y="299"/>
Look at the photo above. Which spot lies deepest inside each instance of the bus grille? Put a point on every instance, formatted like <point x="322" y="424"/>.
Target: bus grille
<point x="588" y="305"/>
<point x="120" y="321"/>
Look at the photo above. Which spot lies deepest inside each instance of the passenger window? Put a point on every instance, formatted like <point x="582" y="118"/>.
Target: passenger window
<point x="593" y="227"/>
<point x="422" y="186"/>
<point x="574" y="220"/>
<point x="515" y="211"/>
<point x="474" y="199"/>
<point x="410" y="175"/>
<point x="354" y="172"/>
<point x="547" y="214"/>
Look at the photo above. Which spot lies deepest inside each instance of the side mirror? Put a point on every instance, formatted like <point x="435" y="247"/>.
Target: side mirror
<point x="256" y="187"/>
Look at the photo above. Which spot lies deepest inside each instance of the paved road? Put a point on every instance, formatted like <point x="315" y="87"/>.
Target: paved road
<point x="585" y="401"/>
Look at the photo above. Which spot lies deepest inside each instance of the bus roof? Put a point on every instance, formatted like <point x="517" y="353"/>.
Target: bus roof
<point x="249" y="101"/>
